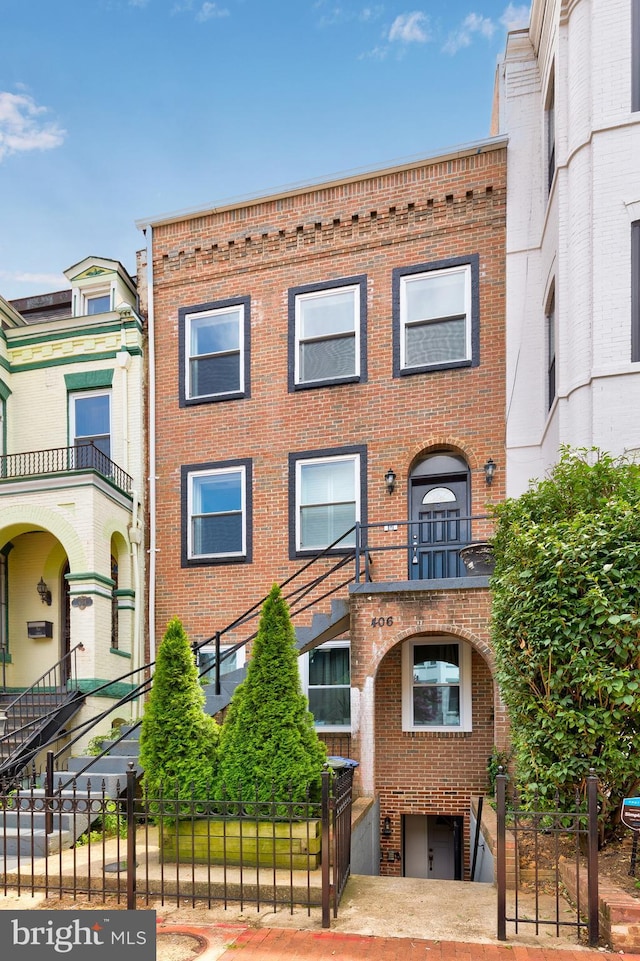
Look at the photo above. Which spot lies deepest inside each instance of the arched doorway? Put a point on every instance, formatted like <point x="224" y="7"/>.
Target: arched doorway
<point x="439" y="511"/>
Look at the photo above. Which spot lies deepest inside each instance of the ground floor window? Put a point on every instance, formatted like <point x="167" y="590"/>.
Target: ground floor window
<point x="327" y="682"/>
<point x="436" y="685"/>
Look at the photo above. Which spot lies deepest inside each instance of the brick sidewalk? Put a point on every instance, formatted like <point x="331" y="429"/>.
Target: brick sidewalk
<point x="277" y="944"/>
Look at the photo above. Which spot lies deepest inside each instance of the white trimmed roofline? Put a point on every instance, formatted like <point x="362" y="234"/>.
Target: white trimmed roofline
<point x="350" y="176"/>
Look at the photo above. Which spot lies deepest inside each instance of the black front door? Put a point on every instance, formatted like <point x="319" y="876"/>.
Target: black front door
<point x="439" y="527"/>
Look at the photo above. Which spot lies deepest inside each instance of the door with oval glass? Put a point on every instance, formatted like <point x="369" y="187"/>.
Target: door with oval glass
<point x="439" y="526"/>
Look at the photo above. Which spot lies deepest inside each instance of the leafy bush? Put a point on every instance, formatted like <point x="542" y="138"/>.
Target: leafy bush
<point x="178" y="740"/>
<point x="566" y="628"/>
<point x="268" y="741"/>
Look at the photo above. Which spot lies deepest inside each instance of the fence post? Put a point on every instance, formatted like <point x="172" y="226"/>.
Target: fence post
<point x="592" y="858"/>
<point x="131" y="837"/>
<point x="326" y="850"/>
<point x="501" y="825"/>
<point x="48" y="795"/>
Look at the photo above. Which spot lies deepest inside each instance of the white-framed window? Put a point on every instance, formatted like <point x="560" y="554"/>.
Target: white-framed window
<point x="326" y="679"/>
<point x="228" y="664"/>
<point x="214" y="351"/>
<point x="435" y="327"/>
<point x="216" y="509"/>
<point x="436" y="684"/>
<point x="94" y="300"/>
<point x="327" y="501"/>
<point x="327" y="334"/>
<point x="90" y="423"/>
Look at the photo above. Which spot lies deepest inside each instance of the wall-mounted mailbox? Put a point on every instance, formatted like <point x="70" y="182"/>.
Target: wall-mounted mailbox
<point x="39" y="629"/>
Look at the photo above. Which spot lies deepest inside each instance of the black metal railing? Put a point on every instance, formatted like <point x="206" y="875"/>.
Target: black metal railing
<point x="426" y="549"/>
<point x="561" y="848"/>
<point x="63" y="460"/>
<point x="192" y="850"/>
<point x="27" y="715"/>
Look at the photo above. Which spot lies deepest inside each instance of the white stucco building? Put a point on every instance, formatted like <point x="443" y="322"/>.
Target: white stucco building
<point x="568" y="96"/>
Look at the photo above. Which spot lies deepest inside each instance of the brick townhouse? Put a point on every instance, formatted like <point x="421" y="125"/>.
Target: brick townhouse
<point x="330" y="359"/>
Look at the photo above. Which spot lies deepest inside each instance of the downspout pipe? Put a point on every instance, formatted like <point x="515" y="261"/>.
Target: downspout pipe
<point x="151" y="361"/>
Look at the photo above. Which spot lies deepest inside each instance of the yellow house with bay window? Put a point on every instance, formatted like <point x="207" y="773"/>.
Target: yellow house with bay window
<point x="71" y="489"/>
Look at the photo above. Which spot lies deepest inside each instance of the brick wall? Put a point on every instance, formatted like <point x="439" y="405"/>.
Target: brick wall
<point x="406" y="216"/>
<point x="416" y="214"/>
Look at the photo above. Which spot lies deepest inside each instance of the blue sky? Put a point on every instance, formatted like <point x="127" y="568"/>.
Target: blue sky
<point x="115" y="110"/>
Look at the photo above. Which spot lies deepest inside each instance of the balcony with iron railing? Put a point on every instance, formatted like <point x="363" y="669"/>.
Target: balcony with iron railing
<point x="80" y="458"/>
<point x="442" y="547"/>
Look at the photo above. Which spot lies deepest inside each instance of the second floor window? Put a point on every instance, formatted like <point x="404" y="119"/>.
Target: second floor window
<point x="214" y="341"/>
<point x="90" y="423"/>
<point x="327" y="501"/>
<point x="216" y="505"/>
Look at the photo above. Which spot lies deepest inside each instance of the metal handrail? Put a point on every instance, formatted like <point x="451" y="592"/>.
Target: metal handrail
<point x="64" y="460"/>
<point x="365" y="547"/>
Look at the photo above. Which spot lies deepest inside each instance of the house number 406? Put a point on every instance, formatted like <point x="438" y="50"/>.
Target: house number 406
<point x="381" y="621"/>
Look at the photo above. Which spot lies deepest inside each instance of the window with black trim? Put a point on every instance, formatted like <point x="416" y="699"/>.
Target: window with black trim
<point x="327" y="325"/>
<point x="435" y="315"/>
<point x="327" y="494"/>
<point x="214" y="351"/>
<point x="436" y="685"/>
<point x="550" y="321"/>
<point x="635" y="291"/>
<point x="216" y="506"/>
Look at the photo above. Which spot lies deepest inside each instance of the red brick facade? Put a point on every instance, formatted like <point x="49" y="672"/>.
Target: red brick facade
<point x="431" y="212"/>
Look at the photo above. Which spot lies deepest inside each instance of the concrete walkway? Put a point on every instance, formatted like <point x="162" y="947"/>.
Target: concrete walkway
<point x="380" y="919"/>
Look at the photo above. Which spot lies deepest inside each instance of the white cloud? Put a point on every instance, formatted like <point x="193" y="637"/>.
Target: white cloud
<point x="335" y="15"/>
<point x="516" y="16"/>
<point x="410" y="28"/>
<point x="50" y="281"/>
<point x="138" y="3"/>
<point x="23" y="127"/>
<point x="472" y="25"/>
<point x="202" y="11"/>
<point x="211" y="11"/>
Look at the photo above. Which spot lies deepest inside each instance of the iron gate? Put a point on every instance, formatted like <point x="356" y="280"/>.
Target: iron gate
<point x="554" y="838"/>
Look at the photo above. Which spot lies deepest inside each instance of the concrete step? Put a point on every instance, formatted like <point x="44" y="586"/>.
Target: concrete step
<point x="107" y="765"/>
<point x="73" y="824"/>
<point x="33" y="844"/>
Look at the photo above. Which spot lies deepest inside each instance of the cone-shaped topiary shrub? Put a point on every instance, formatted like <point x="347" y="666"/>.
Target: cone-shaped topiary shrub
<point x="178" y="741"/>
<point x="268" y="741"/>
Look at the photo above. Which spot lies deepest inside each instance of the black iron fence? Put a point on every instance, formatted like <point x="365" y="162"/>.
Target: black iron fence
<point x="136" y="849"/>
<point x="560" y="850"/>
<point x="57" y="460"/>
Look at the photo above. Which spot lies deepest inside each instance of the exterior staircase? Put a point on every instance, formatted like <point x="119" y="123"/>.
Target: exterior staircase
<point x="22" y="827"/>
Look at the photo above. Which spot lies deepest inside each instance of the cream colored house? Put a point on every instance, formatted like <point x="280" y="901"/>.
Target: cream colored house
<point x="71" y="486"/>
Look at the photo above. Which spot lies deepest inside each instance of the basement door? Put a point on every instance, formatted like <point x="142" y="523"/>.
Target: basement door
<point x="432" y="847"/>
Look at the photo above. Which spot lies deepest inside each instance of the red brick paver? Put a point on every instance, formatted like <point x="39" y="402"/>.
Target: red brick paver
<point x="277" y="944"/>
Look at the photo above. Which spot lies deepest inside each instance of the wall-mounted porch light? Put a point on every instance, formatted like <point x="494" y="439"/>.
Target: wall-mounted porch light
<point x="390" y="481"/>
<point x="489" y="471"/>
<point x="386" y="827"/>
<point x="44" y="592"/>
